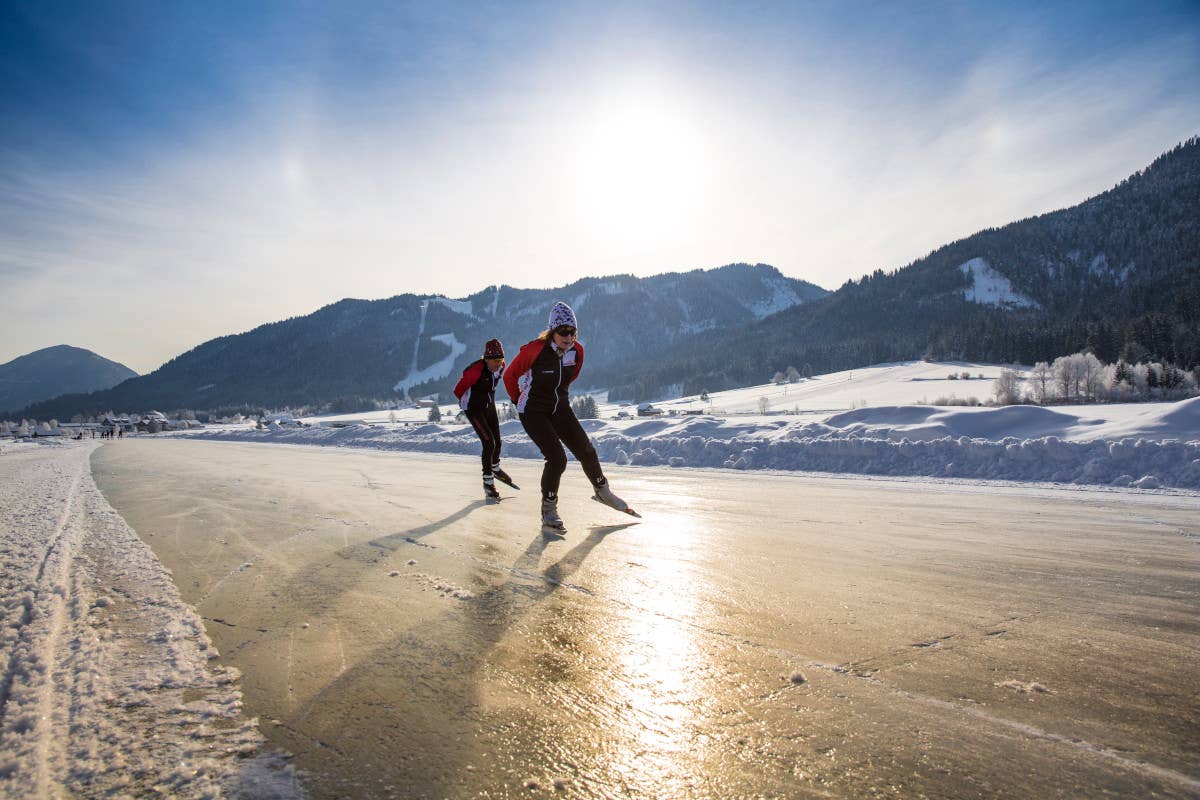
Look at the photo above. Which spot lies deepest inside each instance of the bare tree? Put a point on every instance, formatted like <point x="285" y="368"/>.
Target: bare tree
<point x="1092" y="376"/>
<point x="1007" y="388"/>
<point x="1040" y="378"/>
<point x="1067" y="377"/>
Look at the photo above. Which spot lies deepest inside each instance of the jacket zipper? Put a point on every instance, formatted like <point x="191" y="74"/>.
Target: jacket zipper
<point x="555" y="409"/>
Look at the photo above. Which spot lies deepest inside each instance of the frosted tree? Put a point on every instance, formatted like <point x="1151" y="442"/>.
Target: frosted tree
<point x="793" y="375"/>
<point x="585" y="407"/>
<point x="763" y="405"/>
<point x="1092" y="376"/>
<point x="1041" y="380"/>
<point x="1066" y="377"/>
<point x="435" y="413"/>
<point x="1007" y="388"/>
<point x="778" y="379"/>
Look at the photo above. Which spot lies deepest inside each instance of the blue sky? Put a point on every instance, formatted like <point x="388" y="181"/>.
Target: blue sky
<point x="171" y="172"/>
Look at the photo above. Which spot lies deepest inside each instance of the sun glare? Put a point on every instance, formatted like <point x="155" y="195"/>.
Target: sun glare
<point x="640" y="167"/>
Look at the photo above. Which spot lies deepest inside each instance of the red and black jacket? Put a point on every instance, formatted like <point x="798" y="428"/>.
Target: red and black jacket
<point x="476" y="389"/>
<point x="537" y="379"/>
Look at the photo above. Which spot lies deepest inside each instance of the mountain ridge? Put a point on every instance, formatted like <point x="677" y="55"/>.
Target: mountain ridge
<point x="1117" y="274"/>
<point x="54" y="371"/>
<point x="353" y="353"/>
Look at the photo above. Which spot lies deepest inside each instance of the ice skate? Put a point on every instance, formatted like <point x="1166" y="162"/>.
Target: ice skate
<point x="605" y="495"/>
<point x="551" y="521"/>
<point x="502" y="476"/>
<point x="489" y="491"/>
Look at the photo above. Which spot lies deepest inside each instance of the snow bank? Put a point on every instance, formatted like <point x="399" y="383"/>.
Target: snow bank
<point x="110" y="685"/>
<point x="1018" y="443"/>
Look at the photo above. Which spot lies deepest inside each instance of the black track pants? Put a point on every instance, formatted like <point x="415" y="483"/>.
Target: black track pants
<point x="487" y="428"/>
<point x="550" y="432"/>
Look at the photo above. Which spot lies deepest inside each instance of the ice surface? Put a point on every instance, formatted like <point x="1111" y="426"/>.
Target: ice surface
<point x="754" y="635"/>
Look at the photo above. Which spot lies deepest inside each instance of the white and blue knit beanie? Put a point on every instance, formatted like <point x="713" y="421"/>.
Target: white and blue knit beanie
<point x="561" y="315"/>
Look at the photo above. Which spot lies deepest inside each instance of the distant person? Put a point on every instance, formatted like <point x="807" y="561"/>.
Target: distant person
<point x="476" y="393"/>
<point x="538" y="382"/>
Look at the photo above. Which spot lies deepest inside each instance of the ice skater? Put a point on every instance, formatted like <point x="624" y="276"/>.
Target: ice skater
<point x="538" y="381"/>
<point x="476" y="393"/>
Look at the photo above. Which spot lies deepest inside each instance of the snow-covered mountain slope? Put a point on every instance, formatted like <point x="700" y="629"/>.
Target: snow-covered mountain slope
<point x="356" y="351"/>
<point x="989" y="287"/>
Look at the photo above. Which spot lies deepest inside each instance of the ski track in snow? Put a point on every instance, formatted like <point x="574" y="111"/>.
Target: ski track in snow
<point x="110" y="687"/>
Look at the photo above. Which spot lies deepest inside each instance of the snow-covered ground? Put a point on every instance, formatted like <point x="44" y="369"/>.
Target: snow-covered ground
<point x="874" y="420"/>
<point x="108" y="687"/>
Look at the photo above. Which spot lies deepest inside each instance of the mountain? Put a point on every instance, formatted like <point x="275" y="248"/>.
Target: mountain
<point x="349" y="354"/>
<point x="54" y="371"/>
<point x="1118" y="274"/>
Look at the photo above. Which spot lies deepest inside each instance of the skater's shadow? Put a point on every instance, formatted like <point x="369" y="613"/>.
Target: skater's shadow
<point x="393" y="541"/>
<point x="336" y="577"/>
<point x="432" y="675"/>
<point x="526" y="584"/>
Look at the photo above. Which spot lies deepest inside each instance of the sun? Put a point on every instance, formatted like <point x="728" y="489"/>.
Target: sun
<point x="641" y="167"/>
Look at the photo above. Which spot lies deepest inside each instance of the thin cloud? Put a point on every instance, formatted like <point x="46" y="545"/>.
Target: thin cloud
<point x="662" y="147"/>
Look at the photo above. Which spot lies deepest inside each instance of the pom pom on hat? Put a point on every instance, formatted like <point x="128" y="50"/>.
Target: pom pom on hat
<point x="561" y="315"/>
<point x="493" y="349"/>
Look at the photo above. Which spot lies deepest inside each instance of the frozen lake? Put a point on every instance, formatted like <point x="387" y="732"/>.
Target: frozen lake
<point x="754" y="635"/>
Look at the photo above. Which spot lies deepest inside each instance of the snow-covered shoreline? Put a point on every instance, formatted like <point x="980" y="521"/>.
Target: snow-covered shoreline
<point x="1154" y="447"/>
<point x="110" y="684"/>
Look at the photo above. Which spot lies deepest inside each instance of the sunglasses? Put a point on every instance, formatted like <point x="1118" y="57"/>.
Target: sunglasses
<point x="565" y="330"/>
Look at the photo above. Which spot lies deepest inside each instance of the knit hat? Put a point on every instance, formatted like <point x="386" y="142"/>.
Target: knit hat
<point x="493" y="349"/>
<point x="561" y="315"/>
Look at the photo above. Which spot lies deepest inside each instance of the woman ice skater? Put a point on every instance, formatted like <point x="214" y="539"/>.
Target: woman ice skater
<point x="476" y="393"/>
<point x="538" y="381"/>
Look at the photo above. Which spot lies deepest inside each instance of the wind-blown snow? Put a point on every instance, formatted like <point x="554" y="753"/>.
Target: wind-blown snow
<point x="439" y="369"/>
<point x="110" y="686"/>
<point x="991" y="288"/>
<point x="852" y="422"/>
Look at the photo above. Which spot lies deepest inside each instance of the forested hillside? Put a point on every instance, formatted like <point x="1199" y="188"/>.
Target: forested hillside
<point x="57" y="370"/>
<point x="356" y="353"/>
<point x="1118" y="275"/>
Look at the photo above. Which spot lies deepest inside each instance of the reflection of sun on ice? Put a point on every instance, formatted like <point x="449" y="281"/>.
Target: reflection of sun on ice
<point x="640" y="166"/>
<point x="659" y="670"/>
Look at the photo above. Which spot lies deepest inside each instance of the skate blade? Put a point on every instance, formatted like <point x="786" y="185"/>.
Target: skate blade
<point x="626" y="510"/>
<point x="507" y="483"/>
